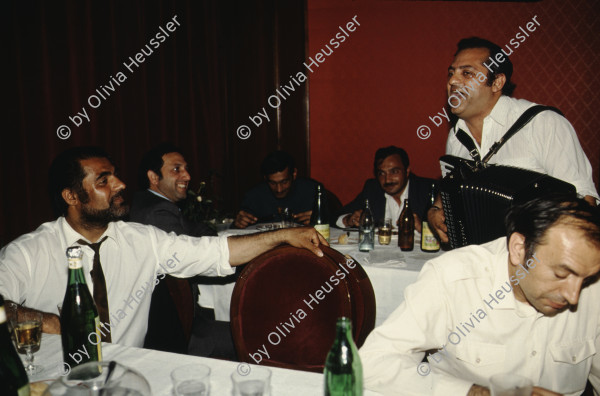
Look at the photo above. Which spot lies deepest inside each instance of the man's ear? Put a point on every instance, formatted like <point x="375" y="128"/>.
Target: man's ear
<point x="294" y="174"/>
<point x="152" y="178"/>
<point x="516" y="248"/>
<point x="407" y="171"/>
<point x="498" y="83"/>
<point x="70" y="197"/>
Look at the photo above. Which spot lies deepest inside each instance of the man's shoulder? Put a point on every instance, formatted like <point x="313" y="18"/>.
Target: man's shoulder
<point x="145" y="203"/>
<point x="49" y="231"/>
<point x="469" y="262"/>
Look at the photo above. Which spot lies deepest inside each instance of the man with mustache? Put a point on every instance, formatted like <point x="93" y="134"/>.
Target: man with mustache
<point x="87" y="195"/>
<point x="386" y="193"/>
<point x="479" y="89"/>
<point x="525" y="304"/>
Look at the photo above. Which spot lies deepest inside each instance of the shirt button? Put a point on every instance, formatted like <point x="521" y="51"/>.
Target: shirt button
<point x="574" y="358"/>
<point x="477" y="360"/>
<point x="533" y="353"/>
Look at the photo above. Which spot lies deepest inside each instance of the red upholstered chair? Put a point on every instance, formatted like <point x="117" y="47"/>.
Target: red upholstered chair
<point x="286" y="303"/>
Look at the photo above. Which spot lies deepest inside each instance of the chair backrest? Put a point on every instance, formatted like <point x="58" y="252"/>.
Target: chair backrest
<point x="286" y="303"/>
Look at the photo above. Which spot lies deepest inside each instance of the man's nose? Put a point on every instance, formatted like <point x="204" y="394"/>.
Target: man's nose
<point x="279" y="187"/>
<point x="118" y="184"/>
<point x="572" y="290"/>
<point x="186" y="175"/>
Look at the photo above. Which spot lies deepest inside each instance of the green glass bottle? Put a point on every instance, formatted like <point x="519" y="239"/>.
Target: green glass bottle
<point x="343" y="369"/>
<point x="320" y="216"/>
<point x="79" y="323"/>
<point x="13" y="379"/>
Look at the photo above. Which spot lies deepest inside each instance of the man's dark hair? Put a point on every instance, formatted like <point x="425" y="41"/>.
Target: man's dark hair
<point x="533" y="218"/>
<point x="153" y="161"/>
<point x="277" y="161"/>
<point x="66" y="172"/>
<point x="385" y="152"/>
<point x="505" y="67"/>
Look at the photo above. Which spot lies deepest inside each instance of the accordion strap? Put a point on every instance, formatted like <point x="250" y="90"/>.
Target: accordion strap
<point x="516" y="127"/>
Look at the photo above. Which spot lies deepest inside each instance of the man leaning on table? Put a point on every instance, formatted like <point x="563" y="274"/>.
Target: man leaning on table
<point x="386" y="193"/>
<point x="88" y="196"/>
<point x="525" y="304"/>
<point x="547" y="144"/>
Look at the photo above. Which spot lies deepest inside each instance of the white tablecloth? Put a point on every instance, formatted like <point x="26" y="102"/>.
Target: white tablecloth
<point x="389" y="269"/>
<point x="156" y="367"/>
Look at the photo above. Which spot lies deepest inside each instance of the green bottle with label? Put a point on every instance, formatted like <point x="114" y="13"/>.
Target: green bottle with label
<point x="343" y="369"/>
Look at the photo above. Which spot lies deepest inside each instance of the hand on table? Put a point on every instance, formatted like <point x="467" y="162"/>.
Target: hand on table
<point x="477" y="390"/>
<point x="352" y="220"/>
<point x="244" y="219"/>
<point x="50" y="323"/>
<point x="303" y="218"/>
<point x="537" y="391"/>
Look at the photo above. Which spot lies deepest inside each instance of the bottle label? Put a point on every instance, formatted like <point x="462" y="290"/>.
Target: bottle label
<point x="323" y="230"/>
<point x="75" y="263"/>
<point x="428" y="240"/>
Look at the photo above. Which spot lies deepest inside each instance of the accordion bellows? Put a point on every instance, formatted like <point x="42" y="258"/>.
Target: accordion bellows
<point x="475" y="202"/>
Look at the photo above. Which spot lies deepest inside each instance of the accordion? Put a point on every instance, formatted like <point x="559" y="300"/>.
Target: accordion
<point x="476" y="199"/>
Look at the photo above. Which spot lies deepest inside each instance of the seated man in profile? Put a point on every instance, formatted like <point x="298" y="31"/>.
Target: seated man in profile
<point x="164" y="175"/>
<point x="525" y="304"/>
<point x="128" y="259"/>
<point x="281" y="189"/>
<point x="386" y="193"/>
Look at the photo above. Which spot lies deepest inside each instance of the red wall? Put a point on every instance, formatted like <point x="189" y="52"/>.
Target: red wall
<point x="389" y="76"/>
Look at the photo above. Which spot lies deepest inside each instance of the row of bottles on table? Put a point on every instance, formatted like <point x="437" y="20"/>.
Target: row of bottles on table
<point x="320" y="215"/>
<point x="343" y="369"/>
<point x="406" y="229"/>
<point x="13" y="378"/>
<point x="79" y="323"/>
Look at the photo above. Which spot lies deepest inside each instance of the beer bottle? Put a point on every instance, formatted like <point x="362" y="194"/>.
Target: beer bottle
<point x="343" y="369"/>
<point x="366" y="230"/>
<point x="79" y="323"/>
<point x="406" y="228"/>
<point x="13" y="378"/>
<point x="320" y="216"/>
<point x="429" y="243"/>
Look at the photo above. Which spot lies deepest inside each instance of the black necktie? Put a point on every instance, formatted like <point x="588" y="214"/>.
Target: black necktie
<point x="100" y="294"/>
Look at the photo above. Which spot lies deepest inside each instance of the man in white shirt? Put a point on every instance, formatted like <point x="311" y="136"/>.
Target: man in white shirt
<point x="134" y="257"/>
<point x="386" y="193"/>
<point x="525" y="304"/>
<point x="479" y="88"/>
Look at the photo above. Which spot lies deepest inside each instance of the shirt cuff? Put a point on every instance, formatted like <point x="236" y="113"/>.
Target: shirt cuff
<point x="223" y="266"/>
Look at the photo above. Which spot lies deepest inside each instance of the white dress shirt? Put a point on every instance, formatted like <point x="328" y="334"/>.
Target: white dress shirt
<point x="547" y="144"/>
<point x="34" y="271"/>
<point x="454" y="304"/>
<point x="392" y="208"/>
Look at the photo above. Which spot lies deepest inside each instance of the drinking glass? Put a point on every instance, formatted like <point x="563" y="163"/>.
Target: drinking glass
<point x="255" y="382"/>
<point x="191" y="380"/>
<point x="385" y="232"/>
<point x="287" y="217"/>
<point x="100" y="378"/>
<point x="27" y="328"/>
<point x="510" y="385"/>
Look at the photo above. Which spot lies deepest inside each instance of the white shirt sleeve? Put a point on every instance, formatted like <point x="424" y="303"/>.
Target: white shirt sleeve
<point x="560" y="152"/>
<point x="392" y="354"/>
<point x="15" y="272"/>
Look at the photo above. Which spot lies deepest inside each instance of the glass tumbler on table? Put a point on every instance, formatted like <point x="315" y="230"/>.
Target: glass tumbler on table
<point x="191" y="380"/>
<point x="385" y="232"/>
<point x="255" y="382"/>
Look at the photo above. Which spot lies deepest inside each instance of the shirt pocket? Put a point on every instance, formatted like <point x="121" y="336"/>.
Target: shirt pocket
<point x="480" y="354"/>
<point x="573" y="362"/>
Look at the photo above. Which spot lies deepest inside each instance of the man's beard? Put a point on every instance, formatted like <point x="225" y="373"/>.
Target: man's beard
<point x="98" y="218"/>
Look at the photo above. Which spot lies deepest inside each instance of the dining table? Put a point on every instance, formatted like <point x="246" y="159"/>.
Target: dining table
<point x="389" y="269"/>
<point x="156" y="368"/>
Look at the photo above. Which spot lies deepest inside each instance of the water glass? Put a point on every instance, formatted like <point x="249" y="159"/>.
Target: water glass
<point x="510" y="385"/>
<point x="191" y="380"/>
<point x="254" y="382"/>
<point x="385" y="232"/>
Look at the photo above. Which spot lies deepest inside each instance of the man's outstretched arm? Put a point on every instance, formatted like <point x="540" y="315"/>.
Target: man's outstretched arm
<point x="244" y="248"/>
